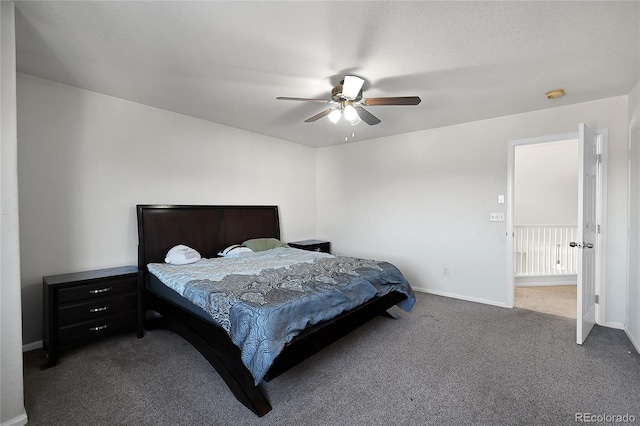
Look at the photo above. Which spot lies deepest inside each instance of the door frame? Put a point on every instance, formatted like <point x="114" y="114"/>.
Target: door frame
<point x="601" y="206"/>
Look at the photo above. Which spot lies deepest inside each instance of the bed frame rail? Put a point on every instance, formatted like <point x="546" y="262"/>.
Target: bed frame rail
<point x="319" y="336"/>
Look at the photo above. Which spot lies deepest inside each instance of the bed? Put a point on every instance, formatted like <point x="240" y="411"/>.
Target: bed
<point x="210" y="229"/>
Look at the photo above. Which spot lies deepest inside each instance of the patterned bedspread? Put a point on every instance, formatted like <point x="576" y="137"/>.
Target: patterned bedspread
<point x="264" y="299"/>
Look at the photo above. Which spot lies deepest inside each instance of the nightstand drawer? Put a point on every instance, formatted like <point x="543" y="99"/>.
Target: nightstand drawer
<point x="100" y="327"/>
<point x="101" y="288"/>
<point x="96" y="309"/>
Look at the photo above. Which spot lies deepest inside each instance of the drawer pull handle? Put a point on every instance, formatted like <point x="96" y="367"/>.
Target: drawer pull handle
<point x="100" y="309"/>
<point x="100" y="290"/>
<point x="100" y="327"/>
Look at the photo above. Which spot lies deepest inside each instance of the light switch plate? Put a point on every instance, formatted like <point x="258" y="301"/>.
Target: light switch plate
<point x="500" y="199"/>
<point x="496" y="217"/>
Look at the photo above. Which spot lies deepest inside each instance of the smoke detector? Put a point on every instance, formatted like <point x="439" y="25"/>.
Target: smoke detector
<point x="555" y="93"/>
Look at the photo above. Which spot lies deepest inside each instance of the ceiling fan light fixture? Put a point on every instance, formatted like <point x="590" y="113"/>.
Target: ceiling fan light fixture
<point x="350" y="113"/>
<point x="334" y="116"/>
<point x="351" y="86"/>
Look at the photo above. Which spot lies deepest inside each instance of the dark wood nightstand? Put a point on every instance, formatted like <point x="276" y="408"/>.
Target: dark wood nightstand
<point x="312" y="245"/>
<point x="81" y="306"/>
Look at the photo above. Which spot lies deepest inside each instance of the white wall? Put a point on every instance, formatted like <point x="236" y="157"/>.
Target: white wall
<point x="546" y="184"/>
<point x="422" y="200"/>
<point x="85" y="161"/>
<point x="12" y="410"/>
<point x="633" y="297"/>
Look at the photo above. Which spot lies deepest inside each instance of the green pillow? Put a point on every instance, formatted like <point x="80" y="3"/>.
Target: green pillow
<point x="262" y="244"/>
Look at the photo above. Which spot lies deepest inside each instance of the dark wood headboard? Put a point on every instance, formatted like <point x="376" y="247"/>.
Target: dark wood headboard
<point x="207" y="229"/>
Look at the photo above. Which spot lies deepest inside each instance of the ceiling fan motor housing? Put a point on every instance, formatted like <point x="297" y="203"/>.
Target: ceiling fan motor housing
<point x="336" y="93"/>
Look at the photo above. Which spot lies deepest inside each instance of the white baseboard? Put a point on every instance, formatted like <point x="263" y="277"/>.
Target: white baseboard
<point x="634" y="342"/>
<point x="20" y="420"/>
<point x="457" y="296"/>
<point x="32" y="346"/>
<point x="616" y="325"/>
<point x="546" y="280"/>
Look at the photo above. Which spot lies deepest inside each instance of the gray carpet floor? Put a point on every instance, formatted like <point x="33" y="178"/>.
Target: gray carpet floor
<point x="448" y="362"/>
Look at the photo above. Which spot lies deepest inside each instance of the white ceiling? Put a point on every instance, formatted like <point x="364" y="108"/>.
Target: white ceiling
<point x="227" y="61"/>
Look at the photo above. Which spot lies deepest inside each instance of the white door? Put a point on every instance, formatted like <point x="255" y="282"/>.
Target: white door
<point x="587" y="231"/>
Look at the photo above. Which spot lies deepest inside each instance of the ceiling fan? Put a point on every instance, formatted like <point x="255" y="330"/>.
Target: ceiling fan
<point x="347" y="100"/>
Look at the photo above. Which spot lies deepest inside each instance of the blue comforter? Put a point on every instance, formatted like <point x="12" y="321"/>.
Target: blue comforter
<point x="264" y="307"/>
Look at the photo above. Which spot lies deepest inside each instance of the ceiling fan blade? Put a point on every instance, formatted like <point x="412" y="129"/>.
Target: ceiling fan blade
<point x="399" y="100"/>
<point x="285" y="98"/>
<point x="320" y="115"/>
<point x="366" y="116"/>
<point x="351" y="86"/>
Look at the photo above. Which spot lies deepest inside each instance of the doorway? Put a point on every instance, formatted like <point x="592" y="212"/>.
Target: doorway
<point x="545" y="206"/>
<point x="591" y="238"/>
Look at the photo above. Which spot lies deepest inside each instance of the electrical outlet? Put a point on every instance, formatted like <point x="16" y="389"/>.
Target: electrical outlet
<point x="445" y="272"/>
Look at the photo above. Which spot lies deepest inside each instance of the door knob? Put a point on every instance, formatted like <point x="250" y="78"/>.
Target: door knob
<point x="580" y="245"/>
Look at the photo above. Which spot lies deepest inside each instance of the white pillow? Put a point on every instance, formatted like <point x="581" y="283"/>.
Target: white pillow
<point x="182" y="255"/>
<point x="234" y="251"/>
